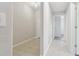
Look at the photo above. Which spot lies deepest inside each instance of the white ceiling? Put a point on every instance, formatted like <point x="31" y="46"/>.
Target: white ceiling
<point x="58" y="7"/>
<point x="34" y="5"/>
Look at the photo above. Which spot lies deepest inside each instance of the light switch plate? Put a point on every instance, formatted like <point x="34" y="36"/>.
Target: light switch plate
<point x="2" y="19"/>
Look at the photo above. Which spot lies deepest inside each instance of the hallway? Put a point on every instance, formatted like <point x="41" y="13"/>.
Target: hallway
<point x="39" y="28"/>
<point x="58" y="48"/>
<point x="60" y="19"/>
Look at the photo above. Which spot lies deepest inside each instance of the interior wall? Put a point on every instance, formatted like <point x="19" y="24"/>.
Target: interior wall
<point x="53" y="27"/>
<point x="70" y="28"/>
<point x="67" y="27"/>
<point x="47" y="27"/>
<point x="37" y="19"/>
<point x="24" y="22"/>
<point x="5" y="31"/>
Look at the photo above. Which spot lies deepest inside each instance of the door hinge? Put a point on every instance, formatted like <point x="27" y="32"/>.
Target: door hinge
<point x="75" y="45"/>
<point x="76" y="7"/>
<point x="75" y="26"/>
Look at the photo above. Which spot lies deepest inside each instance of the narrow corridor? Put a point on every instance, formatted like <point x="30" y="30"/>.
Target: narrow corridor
<point x="58" y="48"/>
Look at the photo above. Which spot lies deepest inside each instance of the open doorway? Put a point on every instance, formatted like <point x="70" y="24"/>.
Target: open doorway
<point x="26" y="29"/>
<point x="59" y="45"/>
<point x="59" y="27"/>
<point x="62" y="22"/>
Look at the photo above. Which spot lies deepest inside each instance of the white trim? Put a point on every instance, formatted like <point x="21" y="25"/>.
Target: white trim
<point x="41" y="29"/>
<point x="12" y="15"/>
<point x="25" y="41"/>
<point x="47" y="48"/>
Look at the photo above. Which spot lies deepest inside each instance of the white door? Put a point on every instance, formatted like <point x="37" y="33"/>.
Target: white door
<point x="77" y="30"/>
<point x="72" y="28"/>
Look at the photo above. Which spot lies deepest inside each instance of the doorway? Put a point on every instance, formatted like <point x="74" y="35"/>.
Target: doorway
<point x="26" y="29"/>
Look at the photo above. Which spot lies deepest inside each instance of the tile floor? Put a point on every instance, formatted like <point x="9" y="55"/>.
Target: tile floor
<point x="58" y="48"/>
<point x="31" y="48"/>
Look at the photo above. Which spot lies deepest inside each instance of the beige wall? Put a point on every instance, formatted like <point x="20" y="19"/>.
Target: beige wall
<point x="24" y="22"/>
<point x="5" y="32"/>
<point x="37" y="20"/>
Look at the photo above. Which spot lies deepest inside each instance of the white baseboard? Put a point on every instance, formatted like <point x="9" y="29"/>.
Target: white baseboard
<point x="48" y="48"/>
<point x="46" y="51"/>
<point x="25" y="41"/>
